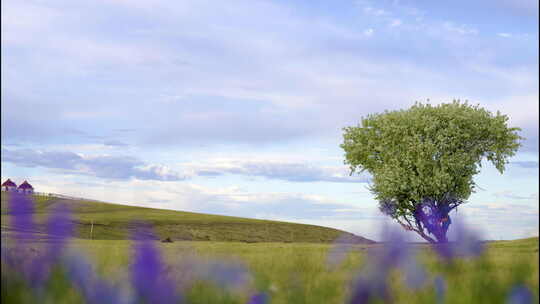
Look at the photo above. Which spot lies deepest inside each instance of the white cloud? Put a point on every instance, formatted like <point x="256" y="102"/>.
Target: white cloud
<point x="395" y="23"/>
<point x="23" y="22"/>
<point x="522" y="7"/>
<point x="127" y="167"/>
<point x="375" y="11"/>
<point x="522" y="111"/>
<point x="101" y="166"/>
<point x="368" y="32"/>
<point x="216" y="60"/>
<point x="504" y="35"/>
<point x="460" y="29"/>
<point x="525" y="164"/>
<point x="288" y="171"/>
<point x="509" y="194"/>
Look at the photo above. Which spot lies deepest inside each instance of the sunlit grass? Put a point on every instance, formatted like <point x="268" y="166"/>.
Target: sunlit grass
<point x="288" y="272"/>
<point x="106" y="221"/>
<point x="299" y="273"/>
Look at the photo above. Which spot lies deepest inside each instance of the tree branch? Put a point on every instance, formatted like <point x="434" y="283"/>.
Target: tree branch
<point x="409" y="226"/>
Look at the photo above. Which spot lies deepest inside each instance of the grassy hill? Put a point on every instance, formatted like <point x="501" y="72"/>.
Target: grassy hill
<point x="115" y="222"/>
<point x="527" y="244"/>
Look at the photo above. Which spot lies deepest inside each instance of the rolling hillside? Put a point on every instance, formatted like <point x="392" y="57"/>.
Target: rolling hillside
<point x="113" y="221"/>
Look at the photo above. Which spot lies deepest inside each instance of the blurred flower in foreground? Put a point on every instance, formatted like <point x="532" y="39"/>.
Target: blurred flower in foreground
<point x="231" y="274"/>
<point x="466" y="244"/>
<point x="260" y="298"/>
<point x="415" y="274"/>
<point x="59" y="230"/>
<point x="339" y="251"/>
<point x="91" y="287"/>
<point x="36" y="266"/>
<point x="228" y="274"/>
<point x="440" y="289"/>
<point x="395" y="253"/>
<point x="368" y="287"/>
<point x="520" y="295"/>
<point x="21" y="222"/>
<point x="21" y="209"/>
<point x="148" y="272"/>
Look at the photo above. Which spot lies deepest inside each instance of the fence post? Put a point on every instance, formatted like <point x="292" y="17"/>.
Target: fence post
<point x="91" y="229"/>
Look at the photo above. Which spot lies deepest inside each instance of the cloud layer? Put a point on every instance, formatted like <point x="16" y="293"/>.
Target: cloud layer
<point x="110" y="167"/>
<point x="176" y="103"/>
<point x="183" y="74"/>
<point x="126" y="167"/>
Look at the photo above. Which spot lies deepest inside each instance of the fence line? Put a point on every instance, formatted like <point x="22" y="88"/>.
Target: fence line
<point x="56" y="195"/>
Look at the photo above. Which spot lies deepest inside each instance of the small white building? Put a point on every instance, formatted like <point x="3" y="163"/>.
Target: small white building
<point x="25" y="188"/>
<point x="9" y="186"/>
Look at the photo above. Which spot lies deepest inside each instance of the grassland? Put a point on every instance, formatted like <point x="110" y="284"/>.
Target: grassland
<point x="116" y="222"/>
<point x="299" y="272"/>
<point x="288" y="269"/>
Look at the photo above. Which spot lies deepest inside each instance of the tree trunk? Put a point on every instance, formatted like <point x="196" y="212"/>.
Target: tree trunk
<point x="441" y="237"/>
<point x="438" y="229"/>
<point x="426" y="237"/>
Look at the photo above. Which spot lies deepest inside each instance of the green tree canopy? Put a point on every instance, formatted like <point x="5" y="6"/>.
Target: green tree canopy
<point x="427" y="152"/>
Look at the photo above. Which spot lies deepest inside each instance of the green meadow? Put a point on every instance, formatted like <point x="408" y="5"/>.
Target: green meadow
<point x="299" y="272"/>
<point x="288" y="269"/>
<point x="105" y="221"/>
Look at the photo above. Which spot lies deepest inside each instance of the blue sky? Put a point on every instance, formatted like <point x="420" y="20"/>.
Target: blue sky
<point x="236" y="107"/>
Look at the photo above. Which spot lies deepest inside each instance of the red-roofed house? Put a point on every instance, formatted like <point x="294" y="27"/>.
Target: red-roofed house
<point x="9" y="186"/>
<point x="25" y="187"/>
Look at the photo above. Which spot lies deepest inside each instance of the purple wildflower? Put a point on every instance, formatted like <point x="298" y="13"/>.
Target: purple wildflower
<point x="466" y="244"/>
<point x="90" y="286"/>
<point x="520" y="295"/>
<point x="33" y="265"/>
<point x="415" y="275"/>
<point x="395" y="250"/>
<point x="372" y="283"/>
<point x="259" y="298"/>
<point x="148" y="272"/>
<point x="21" y="209"/>
<point x="227" y="274"/>
<point x="397" y="253"/>
<point x="339" y="251"/>
<point x="20" y="258"/>
<point x="368" y="287"/>
<point x="59" y="229"/>
<point x="440" y="289"/>
<point x="38" y="270"/>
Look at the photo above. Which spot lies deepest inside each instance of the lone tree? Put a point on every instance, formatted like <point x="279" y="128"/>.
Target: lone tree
<point x="423" y="159"/>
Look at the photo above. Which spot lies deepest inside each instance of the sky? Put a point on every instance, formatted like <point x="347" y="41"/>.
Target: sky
<point x="237" y="107"/>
